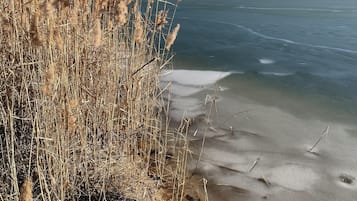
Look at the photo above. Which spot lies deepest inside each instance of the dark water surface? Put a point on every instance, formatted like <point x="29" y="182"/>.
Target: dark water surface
<point x="292" y="54"/>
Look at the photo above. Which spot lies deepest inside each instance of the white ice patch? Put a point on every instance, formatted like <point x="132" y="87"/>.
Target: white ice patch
<point x="266" y="61"/>
<point x="189" y="104"/>
<point x="185" y="107"/>
<point x="224" y="157"/>
<point x="193" y="77"/>
<point x="184" y="85"/>
<point x="181" y="90"/>
<point x="294" y="177"/>
<point x="178" y="115"/>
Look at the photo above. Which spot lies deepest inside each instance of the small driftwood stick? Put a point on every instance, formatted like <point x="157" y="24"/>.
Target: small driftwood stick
<point x="324" y="134"/>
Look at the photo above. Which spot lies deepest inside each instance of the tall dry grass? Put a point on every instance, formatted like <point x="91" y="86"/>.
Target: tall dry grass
<point x="81" y="112"/>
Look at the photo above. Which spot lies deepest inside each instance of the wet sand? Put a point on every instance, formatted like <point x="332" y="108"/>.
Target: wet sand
<point x="261" y="149"/>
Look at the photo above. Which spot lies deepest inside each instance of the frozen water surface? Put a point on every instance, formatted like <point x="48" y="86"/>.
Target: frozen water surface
<point x="263" y="149"/>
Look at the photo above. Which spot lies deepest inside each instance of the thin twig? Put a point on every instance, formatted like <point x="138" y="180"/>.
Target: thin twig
<point x="167" y="2"/>
<point x="147" y="63"/>
<point x="166" y="62"/>
<point x="324" y="133"/>
<point x="254" y="164"/>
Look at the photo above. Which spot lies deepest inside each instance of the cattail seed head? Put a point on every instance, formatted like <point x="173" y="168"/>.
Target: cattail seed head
<point x="5" y="24"/>
<point x="71" y="120"/>
<point x="73" y="103"/>
<point x="46" y="90"/>
<point x="49" y="80"/>
<point x="34" y="31"/>
<point x="58" y="40"/>
<point x="26" y="190"/>
<point x="172" y="37"/>
<point x="139" y="29"/>
<point x="161" y="19"/>
<point x="122" y="12"/>
<point x="97" y="34"/>
<point x="25" y="20"/>
<point x="48" y="8"/>
<point x="110" y="25"/>
<point x="74" y="15"/>
<point x="50" y="74"/>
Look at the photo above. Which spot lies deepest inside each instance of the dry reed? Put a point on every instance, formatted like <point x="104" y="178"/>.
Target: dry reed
<point x="81" y="111"/>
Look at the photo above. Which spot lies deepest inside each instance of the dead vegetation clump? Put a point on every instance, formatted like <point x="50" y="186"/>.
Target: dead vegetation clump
<point x="81" y="112"/>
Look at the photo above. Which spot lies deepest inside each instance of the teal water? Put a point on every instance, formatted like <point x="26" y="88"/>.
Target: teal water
<point x="297" y="55"/>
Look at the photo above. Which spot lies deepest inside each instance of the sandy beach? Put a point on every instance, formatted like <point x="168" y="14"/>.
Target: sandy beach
<point x="253" y="151"/>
